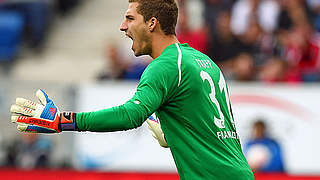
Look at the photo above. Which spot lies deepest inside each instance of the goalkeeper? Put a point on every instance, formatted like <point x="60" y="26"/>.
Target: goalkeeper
<point x="184" y="88"/>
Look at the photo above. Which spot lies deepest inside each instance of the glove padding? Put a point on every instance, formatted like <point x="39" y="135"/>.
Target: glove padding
<point x="41" y="118"/>
<point x="155" y="127"/>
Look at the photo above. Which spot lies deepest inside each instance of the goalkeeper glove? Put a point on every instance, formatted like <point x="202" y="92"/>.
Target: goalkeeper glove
<point x="155" y="127"/>
<point x="41" y="118"/>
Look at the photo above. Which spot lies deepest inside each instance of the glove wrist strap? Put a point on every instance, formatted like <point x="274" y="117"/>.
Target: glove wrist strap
<point x="68" y="121"/>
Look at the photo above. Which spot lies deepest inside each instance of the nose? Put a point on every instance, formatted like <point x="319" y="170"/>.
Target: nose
<point x="123" y="26"/>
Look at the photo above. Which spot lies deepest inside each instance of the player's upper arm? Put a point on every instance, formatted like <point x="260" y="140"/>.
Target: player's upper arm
<point x="153" y="90"/>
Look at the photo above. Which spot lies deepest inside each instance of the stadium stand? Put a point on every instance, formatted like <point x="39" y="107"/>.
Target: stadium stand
<point x="11" y="27"/>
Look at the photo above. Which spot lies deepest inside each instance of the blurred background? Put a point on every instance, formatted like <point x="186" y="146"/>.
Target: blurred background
<point x="269" y="51"/>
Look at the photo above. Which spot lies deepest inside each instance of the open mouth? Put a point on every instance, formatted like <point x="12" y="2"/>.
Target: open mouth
<point x="129" y="36"/>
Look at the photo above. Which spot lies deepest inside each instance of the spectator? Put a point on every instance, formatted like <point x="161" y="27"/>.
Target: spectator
<point x="263" y="152"/>
<point x="243" y="68"/>
<point x="30" y="151"/>
<point x="121" y="66"/>
<point x="315" y="8"/>
<point x="265" y="12"/>
<point x="276" y="70"/>
<point x="66" y="6"/>
<point x="223" y="45"/>
<point x="292" y="13"/>
<point x="212" y="9"/>
<point x="303" y="52"/>
<point x="195" y="38"/>
<point x="257" y="43"/>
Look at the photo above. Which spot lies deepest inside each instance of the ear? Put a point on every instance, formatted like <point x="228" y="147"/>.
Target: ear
<point x="152" y="24"/>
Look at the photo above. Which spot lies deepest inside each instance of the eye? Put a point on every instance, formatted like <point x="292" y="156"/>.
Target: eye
<point x="130" y="18"/>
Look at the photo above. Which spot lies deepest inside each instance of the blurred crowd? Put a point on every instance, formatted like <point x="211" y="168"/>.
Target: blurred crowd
<point x="250" y="40"/>
<point x="26" y="151"/>
<point x="259" y="40"/>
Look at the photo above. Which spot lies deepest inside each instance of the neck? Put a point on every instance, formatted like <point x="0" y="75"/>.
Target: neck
<point x="160" y="42"/>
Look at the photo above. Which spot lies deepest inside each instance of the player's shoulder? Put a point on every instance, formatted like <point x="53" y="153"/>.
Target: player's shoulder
<point x="177" y="50"/>
<point x="170" y="53"/>
<point x="169" y="57"/>
<point x="189" y="52"/>
<point x="164" y="65"/>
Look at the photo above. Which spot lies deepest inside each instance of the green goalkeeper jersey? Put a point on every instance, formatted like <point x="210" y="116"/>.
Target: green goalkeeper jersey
<point x="190" y="97"/>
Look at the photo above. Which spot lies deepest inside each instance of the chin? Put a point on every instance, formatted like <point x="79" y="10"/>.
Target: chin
<point x="141" y="52"/>
<point x="138" y="53"/>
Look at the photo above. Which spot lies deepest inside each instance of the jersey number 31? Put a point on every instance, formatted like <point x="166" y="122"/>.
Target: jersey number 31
<point x="218" y="121"/>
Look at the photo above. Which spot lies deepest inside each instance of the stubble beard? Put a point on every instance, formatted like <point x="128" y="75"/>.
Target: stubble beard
<point x="146" y="45"/>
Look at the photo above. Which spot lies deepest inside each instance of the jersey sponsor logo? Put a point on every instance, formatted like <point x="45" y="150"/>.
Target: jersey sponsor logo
<point x="228" y="135"/>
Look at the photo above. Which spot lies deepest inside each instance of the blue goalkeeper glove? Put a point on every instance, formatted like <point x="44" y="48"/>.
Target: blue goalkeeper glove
<point x="41" y="118"/>
<point x="155" y="127"/>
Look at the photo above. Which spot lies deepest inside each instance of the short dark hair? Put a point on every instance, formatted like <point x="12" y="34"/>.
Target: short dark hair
<point x="260" y="123"/>
<point x="166" y="12"/>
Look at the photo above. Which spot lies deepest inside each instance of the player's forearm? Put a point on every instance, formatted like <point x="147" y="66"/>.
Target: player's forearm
<point x="113" y="119"/>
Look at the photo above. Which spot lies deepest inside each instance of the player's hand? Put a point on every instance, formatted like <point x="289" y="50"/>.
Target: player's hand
<point x="41" y="118"/>
<point x="155" y="127"/>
